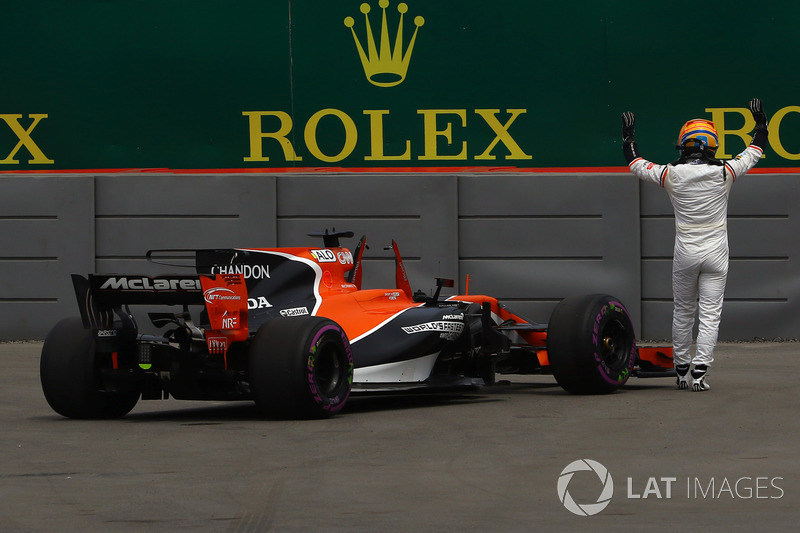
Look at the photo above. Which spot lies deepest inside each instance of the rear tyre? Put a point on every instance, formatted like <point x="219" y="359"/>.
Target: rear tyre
<point x="70" y="374"/>
<point x="591" y="344"/>
<point x="300" y="367"/>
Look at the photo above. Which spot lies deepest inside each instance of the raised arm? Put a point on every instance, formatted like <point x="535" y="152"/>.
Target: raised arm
<point x="641" y="168"/>
<point x="743" y="162"/>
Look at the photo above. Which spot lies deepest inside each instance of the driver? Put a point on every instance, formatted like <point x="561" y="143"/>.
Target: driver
<point x="698" y="186"/>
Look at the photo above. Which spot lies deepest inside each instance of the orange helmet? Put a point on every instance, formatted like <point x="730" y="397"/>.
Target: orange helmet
<point x="699" y="133"/>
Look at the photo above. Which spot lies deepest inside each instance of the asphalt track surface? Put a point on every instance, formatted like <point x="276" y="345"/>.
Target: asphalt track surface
<point x="723" y="460"/>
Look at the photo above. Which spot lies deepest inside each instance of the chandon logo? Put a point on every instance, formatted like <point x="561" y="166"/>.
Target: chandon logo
<point x="586" y="509"/>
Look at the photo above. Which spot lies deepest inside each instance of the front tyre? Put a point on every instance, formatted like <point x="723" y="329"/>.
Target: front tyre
<point x="70" y="374"/>
<point x="300" y="367"/>
<point x="591" y="344"/>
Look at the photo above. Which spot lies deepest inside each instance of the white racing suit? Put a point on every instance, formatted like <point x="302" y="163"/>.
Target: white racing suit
<point x="699" y="193"/>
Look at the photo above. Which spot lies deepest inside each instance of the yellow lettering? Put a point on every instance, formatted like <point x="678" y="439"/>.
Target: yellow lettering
<point x="350" y="135"/>
<point x="257" y="136"/>
<point x="24" y="136"/>
<point x="501" y="132"/>
<point x="774" y="132"/>
<point x="443" y="131"/>
<point x="431" y="133"/>
<point x="718" y="118"/>
<point x="376" y="138"/>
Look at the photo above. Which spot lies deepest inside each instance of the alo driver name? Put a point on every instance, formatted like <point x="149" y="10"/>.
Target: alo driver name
<point x="743" y="488"/>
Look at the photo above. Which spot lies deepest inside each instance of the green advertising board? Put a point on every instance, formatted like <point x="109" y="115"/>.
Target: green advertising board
<point x="273" y="85"/>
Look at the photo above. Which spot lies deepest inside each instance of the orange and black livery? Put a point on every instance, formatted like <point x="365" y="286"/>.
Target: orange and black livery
<point x="294" y="330"/>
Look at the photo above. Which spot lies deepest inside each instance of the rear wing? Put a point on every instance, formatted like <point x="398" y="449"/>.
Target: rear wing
<point x="101" y="295"/>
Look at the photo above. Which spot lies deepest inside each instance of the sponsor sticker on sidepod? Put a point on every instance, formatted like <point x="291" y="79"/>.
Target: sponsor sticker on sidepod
<point x="220" y="293"/>
<point x="447" y="330"/>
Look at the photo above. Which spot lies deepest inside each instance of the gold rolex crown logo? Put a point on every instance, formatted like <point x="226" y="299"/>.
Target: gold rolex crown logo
<point x="384" y="66"/>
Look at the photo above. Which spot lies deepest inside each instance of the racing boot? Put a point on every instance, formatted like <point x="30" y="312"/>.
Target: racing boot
<point x="699" y="378"/>
<point x="683" y="376"/>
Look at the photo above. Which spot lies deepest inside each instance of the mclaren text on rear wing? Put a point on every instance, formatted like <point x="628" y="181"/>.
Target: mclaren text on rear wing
<point x="99" y="295"/>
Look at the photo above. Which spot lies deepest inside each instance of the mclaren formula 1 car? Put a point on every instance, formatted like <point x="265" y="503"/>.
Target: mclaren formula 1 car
<point x="293" y="330"/>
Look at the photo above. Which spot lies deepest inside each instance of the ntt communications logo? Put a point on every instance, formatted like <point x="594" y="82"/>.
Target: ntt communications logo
<point x="585" y="509"/>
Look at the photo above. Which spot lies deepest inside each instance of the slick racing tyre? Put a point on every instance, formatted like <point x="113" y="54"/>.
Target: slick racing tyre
<point x="591" y="344"/>
<point x="300" y="367"/>
<point x="70" y="374"/>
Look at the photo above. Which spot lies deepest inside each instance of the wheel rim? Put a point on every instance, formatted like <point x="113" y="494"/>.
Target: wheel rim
<point x="328" y="369"/>
<point x="615" y="346"/>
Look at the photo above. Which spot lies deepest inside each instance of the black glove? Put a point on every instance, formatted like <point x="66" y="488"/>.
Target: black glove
<point x="629" y="149"/>
<point x="757" y="109"/>
<point x="628" y="125"/>
<point x="760" y="135"/>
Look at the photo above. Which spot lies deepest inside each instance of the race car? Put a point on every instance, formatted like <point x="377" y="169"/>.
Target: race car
<point x="293" y="330"/>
